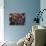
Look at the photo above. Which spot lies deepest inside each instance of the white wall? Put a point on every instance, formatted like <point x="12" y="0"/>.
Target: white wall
<point x="43" y="6"/>
<point x="1" y="21"/>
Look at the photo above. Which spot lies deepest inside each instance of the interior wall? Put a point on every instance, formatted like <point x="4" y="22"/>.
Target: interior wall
<point x="29" y="7"/>
<point x="43" y="6"/>
<point x="1" y="20"/>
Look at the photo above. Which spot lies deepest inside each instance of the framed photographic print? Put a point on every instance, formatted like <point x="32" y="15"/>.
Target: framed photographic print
<point x="17" y="18"/>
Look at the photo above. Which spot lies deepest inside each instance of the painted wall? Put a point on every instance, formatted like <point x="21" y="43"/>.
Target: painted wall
<point x="1" y="21"/>
<point x="43" y="6"/>
<point x="30" y="7"/>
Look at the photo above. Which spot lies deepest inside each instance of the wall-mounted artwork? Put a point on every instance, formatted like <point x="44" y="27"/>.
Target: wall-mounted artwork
<point x="17" y="19"/>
